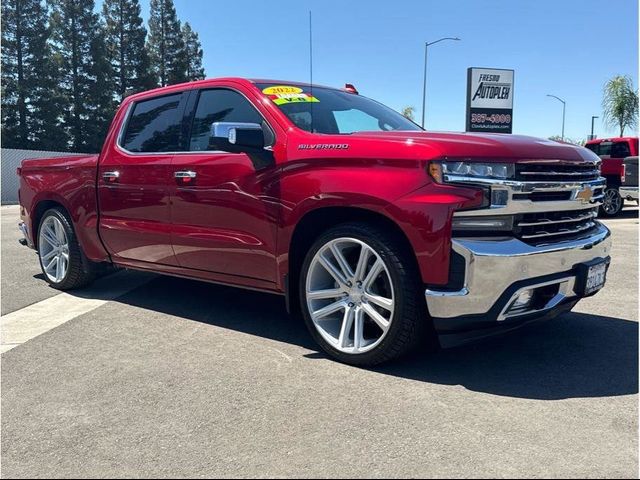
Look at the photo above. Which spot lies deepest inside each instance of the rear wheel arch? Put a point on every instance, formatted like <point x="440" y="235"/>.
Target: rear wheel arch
<point x="39" y="210"/>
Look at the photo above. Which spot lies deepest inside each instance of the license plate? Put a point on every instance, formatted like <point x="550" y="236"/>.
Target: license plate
<point x="596" y="276"/>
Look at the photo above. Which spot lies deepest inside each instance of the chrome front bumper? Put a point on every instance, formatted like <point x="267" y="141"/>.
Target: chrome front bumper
<point x="496" y="270"/>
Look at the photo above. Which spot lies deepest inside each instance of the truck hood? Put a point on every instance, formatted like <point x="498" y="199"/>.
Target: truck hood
<point x="484" y="146"/>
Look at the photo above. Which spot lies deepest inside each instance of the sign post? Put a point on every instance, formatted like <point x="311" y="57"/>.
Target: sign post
<point x="489" y="100"/>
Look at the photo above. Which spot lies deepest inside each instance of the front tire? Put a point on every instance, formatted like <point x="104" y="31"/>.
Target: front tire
<point x="60" y="256"/>
<point x="360" y="295"/>
<point x="612" y="203"/>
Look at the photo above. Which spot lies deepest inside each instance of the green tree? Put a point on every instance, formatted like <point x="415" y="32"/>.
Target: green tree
<point x="620" y="103"/>
<point x="165" y="45"/>
<point x="86" y="78"/>
<point x="125" y="36"/>
<point x="409" y="112"/>
<point x="30" y="99"/>
<point x="193" y="53"/>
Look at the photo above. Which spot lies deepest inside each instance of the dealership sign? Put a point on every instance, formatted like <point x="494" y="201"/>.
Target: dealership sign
<point x="489" y="100"/>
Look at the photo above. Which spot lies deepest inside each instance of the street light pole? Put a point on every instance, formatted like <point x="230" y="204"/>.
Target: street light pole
<point x="564" y="104"/>
<point x="424" y="83"/>
<point x="593" y="117"/>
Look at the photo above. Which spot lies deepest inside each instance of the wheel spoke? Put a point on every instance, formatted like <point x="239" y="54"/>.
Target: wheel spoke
<point x="328" y="310"/>
<point x="50" y="264"/>
<point x="386" y="303"/>
<point x="362" y="263"/>
<point x="48" y="256"/>
<point x="376" y="268"/>
<point x="324" y="294"/>
<point x="49" y="235"/>
<point x="57" y="226"/>
<point x="347" y="323"/>
<point x="358" y="329"/>
<point x="342" y="262"/>
<point x="57" y="267"/>
<point x="382" y="322"/>
<point x="335" y="273"/>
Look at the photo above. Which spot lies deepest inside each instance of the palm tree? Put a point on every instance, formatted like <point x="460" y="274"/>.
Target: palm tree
<point x="408" y="112"/>
<point x="620" y="103"/>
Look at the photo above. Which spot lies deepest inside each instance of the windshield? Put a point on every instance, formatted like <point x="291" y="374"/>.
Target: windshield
<point x="333" y="111"/>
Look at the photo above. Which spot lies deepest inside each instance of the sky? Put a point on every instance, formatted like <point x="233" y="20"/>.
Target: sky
<point x="568" y="48"/>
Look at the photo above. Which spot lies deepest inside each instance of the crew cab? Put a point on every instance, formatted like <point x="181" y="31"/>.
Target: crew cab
<point x="613" y="152"/>
<point x="381" y="236"/>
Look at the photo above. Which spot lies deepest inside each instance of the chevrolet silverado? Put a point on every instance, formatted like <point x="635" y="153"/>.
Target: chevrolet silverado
<point x="380" y="235"/>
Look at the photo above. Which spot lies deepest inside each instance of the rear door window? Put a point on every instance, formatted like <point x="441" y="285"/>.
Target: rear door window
<point x="154" y="125"/>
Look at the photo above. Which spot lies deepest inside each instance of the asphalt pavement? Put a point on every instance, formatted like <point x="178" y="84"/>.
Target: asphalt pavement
<point x="175" y="378"/>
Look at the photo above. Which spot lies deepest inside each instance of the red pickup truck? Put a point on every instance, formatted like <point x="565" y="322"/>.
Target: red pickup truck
<point x="613" y="152"/>
<point x="380" y="235"/>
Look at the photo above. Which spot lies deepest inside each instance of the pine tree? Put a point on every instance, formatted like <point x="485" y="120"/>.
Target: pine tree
<point x="165" y="44"/>
<point x="193" y="53"/>
<point x="86" y="78"/>
<point x="30" y="98"/>
<point x="125" y="36"/>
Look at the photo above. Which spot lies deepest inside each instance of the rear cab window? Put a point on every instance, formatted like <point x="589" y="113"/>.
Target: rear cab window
<point x="611" y="149"/>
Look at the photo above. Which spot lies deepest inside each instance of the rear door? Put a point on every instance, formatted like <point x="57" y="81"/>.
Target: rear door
<point x="134" y="178"/>
<point x="225" y="213"/>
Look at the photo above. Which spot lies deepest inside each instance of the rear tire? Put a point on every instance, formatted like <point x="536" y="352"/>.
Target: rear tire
<point x="61" y="259"/>
<point x="612" y="203"/>
<point x="360" y="295"/>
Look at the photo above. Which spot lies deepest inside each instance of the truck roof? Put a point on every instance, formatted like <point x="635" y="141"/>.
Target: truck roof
<point x="207" y="81"/>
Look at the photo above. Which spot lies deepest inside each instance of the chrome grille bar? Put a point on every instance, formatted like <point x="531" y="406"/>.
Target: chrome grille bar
<point x="564" y="231"/>
<point x="568" y="219"/>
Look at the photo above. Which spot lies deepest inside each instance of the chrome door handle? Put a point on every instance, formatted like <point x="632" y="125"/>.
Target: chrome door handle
<point x="185" y="177"/>
<point x="111" y="177"/>
<point x="185" y="174"/>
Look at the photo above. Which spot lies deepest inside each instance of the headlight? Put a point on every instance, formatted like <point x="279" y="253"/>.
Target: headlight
<point x="450" y="172"/>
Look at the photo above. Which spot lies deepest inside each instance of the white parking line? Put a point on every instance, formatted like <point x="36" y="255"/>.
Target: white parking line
<point x="27" y="323"/>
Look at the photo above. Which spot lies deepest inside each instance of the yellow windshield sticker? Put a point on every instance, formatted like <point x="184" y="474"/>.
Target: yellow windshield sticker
<point x="280" y="89"/>
<point x="282" y="94"/>
<point x="293" y="98"/>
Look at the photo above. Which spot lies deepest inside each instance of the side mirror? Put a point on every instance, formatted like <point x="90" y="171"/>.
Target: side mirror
<point x="236" y="137"/>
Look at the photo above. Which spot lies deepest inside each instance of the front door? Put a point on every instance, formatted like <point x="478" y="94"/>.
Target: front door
<point x="224" y="210"/>
<point x="133" y="182"/>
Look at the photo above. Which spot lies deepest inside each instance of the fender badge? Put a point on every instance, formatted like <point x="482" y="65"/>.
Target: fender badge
<point x="323" y="146"/>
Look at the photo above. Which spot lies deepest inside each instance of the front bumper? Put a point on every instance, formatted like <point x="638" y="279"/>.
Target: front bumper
<point x="629" y="193"/>
<point x="497" y="270"/>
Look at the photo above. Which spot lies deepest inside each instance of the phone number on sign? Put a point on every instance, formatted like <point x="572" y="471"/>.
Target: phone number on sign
<point x="493" y="118"/>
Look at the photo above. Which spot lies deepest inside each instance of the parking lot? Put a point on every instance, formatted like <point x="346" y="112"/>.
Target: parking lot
<point x="143" y="375"/>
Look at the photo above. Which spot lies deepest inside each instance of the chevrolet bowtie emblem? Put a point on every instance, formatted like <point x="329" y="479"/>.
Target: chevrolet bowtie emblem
<point x="585" y="194"/>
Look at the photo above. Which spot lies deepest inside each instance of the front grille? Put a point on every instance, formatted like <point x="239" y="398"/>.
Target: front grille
<point x="552" y="172"/>
<point x="554" y="226"/>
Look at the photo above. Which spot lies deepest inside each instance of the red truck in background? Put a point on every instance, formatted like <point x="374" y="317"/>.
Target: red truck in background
<point x="613" y="152"/>
<point x="378" y="234"/>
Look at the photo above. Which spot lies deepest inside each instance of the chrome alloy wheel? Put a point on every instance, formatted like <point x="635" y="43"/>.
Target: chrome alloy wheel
<point x="612" y="202"/>
<point x="349" y="295"/>
<point x="53" y="249"/>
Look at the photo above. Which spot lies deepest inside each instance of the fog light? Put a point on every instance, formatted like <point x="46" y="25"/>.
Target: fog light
<point x="522" y="301"/>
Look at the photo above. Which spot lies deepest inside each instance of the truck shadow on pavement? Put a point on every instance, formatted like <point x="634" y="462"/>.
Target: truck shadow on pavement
<point x="574" y="356"/>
